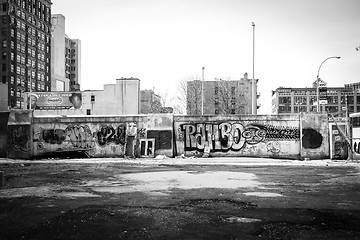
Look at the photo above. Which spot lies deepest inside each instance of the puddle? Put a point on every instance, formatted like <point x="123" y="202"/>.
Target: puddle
<point x="44" y="191"/>
<point x="167" y="180"/>
<point x="263" y="194"/>
<point x="241" y="220"/>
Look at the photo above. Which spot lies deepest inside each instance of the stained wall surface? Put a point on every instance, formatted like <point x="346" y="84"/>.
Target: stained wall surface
<point x="270" y="136"/>
<point x="248" y="136"/>
<point x="315" y="136"/>
<point x="107" y="136"/>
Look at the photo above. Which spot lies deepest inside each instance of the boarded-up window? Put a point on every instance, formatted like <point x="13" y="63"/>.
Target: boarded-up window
<point x="163" y="138"/>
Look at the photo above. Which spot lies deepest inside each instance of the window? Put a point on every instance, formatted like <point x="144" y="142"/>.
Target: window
<point x="285" y="100"/>
<point x="216" y="111"/>
<point x="332" y="109"/>
<point x="232" y="90"/>
<point x="4" y="31"/>
<point x="4" y="79"/>
<point x="333" y="99"/>
<point x="4" y="55"/>
<point x="88" y="112"/>
<point x="92" y="98"/>
<point x="4" y="7"/>
<point x="216" y="90"/>
<point x="284" y="109"/>
<point x="4" y="67"/>
<point x="4" y="43"/>
<point x="299" y="100"/>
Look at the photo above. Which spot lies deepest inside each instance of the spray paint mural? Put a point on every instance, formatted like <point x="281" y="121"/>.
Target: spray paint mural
<point x="136" y="136"/>
<point x="234" y="136"/>
<point x="20" y="138"/>
<point x="262" y="136"/>
<point x="124" y="136"/>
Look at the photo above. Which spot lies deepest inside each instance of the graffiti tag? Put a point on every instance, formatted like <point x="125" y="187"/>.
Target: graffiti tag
<point x="20" y="139"/>
<point x="233" y="136"/>
<point x="80" y="136"/>
<point x="107" y="134"/>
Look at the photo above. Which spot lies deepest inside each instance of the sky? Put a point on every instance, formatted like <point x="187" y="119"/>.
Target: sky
<point x="165" y="42"/>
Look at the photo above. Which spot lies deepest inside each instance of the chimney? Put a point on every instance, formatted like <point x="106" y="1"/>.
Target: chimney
<point x="246" y="76"/>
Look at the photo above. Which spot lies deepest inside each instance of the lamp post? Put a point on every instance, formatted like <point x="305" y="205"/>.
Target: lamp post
<point x="202" y="92"/>
<point x="253" y="99"/>
<point x="318" y="82"/>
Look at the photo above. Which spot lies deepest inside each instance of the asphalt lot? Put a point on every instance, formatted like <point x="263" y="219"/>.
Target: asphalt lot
<point x="182" y="198"/>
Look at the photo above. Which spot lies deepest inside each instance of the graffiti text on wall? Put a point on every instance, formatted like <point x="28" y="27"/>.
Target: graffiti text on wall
<point x="20" y="138"/>
<point x="108" y="134"/>
<point x="80" y="136"/>
<point x="233" y="136"/>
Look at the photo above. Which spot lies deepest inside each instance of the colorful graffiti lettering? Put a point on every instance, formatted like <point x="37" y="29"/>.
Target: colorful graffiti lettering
<point x="233" y="136"/>
<point x="273" y="147"/>
<point x="52" y="136"/>
<point x="141" y="132"/>
<point x="281" y="133"/>
<point x="340" y="150"/>
<point x="107" y="134"/>
<point x="80" y="136"/>
<point x="218" y="137"/>
<point x="20" y="138"/>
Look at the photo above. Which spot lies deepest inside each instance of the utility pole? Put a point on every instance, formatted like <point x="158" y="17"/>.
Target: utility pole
<point x="253" y="93"/>
<point x="202" y="92"/>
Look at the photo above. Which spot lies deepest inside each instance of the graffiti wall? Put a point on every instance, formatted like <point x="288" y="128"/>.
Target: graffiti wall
<point x="314" y="136"/>
<point x="338" y="145"/>
<point x="274" y="136"/>
<point x="260" y="136"/>
<point x="4" y="118"/>
<point x="122" y="136"/>
<point x="19" y="137"/>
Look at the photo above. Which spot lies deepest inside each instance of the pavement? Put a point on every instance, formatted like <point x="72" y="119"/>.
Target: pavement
<point x="179" y="198"/>
<point x="237" y="161"/>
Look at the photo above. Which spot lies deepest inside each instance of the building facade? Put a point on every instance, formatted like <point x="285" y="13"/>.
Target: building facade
<point x="336" y="100"/>
<point x="149" y="102"/>
<point x="122" y="98"/>
<point x="66" y="57"/>
<point x="25" y="50"/>
<point x="221" y="96"/>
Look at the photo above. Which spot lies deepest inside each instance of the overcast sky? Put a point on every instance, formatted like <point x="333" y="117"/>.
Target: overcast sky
<point x="163" y="42"/>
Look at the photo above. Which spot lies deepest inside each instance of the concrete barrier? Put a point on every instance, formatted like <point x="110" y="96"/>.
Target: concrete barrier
<point x="269" y="136"/>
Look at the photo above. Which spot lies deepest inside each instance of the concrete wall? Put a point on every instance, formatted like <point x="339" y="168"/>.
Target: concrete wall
<point x="273" y="136"/>
<point x="4" y="118"/>
<point x="19" y="135"/>
<point x="248" y="136"/>
<point x="116" y="136"/>
<point x="314" y="136"/>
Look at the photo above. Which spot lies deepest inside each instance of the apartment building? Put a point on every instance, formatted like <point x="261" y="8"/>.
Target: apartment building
<point x="25" y="40"/>
<point x="334" y="100"/>
<point x="66" y="57"/>
<point x="221" y="96"/>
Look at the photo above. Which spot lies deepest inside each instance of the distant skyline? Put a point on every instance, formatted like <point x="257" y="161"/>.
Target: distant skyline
<point x="163" y="42"/>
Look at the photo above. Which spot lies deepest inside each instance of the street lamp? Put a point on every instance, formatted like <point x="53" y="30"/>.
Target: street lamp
<point x="253" y="93"/>
<point x="202" y="92"/>
<point x="318" y="82"/>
